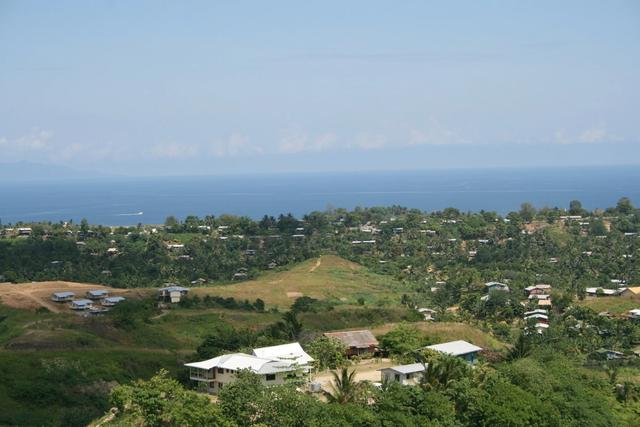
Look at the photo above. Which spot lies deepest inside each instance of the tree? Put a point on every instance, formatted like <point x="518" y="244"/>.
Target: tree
<point x="527" y="212"/>
<point x="575" y="208"/>
<point x="345" y="388"/>
<point x="239" y="399"/>
<point x="290" y="326"/>
<point x="402" y="339"/>
<point x="163" y="401"/>
<point x="327" y="353"/>
<point x="225" y="338"/>
<point x="171" y="222"/>
<point x="625" y="206"/>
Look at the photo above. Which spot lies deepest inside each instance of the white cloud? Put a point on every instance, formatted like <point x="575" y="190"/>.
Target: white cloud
<point x="594" y="135"/>
<point x="235" y="145"/>
<point x="36" y="140"/>
<point x="297" y="142"/>
<point x="370" y="141"/>
<point x="174" y="151"/>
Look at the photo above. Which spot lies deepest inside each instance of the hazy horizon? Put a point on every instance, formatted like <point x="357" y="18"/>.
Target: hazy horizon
<point x="143" y="88"/>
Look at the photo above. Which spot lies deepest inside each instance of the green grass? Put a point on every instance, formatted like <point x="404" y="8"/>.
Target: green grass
<point x="614" y="305"/>
<point x="68" y="388"/>
<point x="335" y="278"/>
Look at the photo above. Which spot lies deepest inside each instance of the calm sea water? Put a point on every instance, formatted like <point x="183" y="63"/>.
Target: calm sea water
<point x="118" y="201"/>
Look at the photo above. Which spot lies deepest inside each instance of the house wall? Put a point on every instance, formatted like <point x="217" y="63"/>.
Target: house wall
<point x="404" y="379"/>
<point x="228" y="376"/>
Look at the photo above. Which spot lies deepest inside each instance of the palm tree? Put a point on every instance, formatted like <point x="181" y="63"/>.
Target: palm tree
<point x="345" y="389"/>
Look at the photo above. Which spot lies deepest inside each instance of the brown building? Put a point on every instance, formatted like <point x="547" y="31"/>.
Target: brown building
<point x="357" y="342"/>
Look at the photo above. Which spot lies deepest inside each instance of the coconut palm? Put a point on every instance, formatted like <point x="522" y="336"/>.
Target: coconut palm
<point x="345" y="388"/>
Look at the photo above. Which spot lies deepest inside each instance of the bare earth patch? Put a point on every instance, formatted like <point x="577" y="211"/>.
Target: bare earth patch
<point x="294" y="294"/>
<point x="38" y="294"/>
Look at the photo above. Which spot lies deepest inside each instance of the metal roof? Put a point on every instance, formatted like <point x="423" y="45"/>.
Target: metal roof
<point x="98" y="292"/>
<point x="238" y="361"/>
<point x="407" y="369"/>
<point x="82" y="302"/>
<point x="175" y="289"/>
<point x="359" y="339"/>
<point x="455" y="348"/>
<point x="63" y="294"/>
<point x="114" y="299"/>
<point x="291" y="352"/>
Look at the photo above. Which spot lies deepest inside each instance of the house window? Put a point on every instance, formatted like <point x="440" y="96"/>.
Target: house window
<point x="220" y="386"/>
<point x="397" y="377"/>
<point x="271" y="377"/>
<point x="221" y="370"/>
<point x="409" y="376"/>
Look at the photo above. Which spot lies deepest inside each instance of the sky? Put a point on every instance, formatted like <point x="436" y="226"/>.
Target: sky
<point x="211" y="87"/>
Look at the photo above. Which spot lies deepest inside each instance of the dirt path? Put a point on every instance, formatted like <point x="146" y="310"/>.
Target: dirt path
<point x="317" y="264"/>
<point x="366" y="370"/>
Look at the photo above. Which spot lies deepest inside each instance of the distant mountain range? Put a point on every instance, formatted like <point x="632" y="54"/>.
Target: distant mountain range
<point x="30" y="171"/>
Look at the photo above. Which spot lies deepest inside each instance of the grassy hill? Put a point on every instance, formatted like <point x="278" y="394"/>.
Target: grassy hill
<point x="57" y="366"/>
<point x="614" y="305"/>
<point x="327" y="277"/>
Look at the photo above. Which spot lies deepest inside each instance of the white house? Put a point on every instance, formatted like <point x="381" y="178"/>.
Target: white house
<point x="496" y="286"/>
<point x="428" y="313"/>
<point x="213" y="374"/>
<point x="459" y="348"/>
<point x="172" y="293"/>
<point x="536" y="311"/>
<point x="97" y="294"/>
<point x="62" y="296"/>
<point x="605" y="292"/>
<point x="81" y="304"/>
<point x="292" y="352"/>
<point x="635" y="313"/>
<point x="111" y="301"/>
<point x="403" y="374"/>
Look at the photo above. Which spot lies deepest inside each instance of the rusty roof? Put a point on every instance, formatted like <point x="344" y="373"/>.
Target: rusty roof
<point x="358" y="339"/>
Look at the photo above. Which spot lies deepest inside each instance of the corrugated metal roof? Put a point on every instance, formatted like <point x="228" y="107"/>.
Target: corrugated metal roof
<point x="63" y="294"/>
<point x="291" y="352"/>
<point x="358" y="339"/>
<point x="407" y="369"/>
<point x="238" y="361"/>
<point x="455" y="348"/>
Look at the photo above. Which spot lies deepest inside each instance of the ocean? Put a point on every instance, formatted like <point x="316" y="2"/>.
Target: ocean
<point x="129" y="201"/>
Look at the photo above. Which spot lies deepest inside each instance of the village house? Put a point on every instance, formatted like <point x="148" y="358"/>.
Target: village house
<point x="358" y="343"/>
<point x="81" y="304"/>
<point x="496" y="286"/>
<point x="428" y="313"/>
<point x="24" y="231"/>
<point x="97" y="294"/>
<point x="630" y="291"/>
<point x="634" y="314"/>
<point x="292" y="352"/>
<point x="403" y="374"/>
<point x="62" y="296"/>
<point x="462" y="349"/>
<point x="172" y="293"/>
<point x="594" y="292"/>
<point x="538" y="289"/>
<point x="213" y="374"/>
<point x="111" y="301"/>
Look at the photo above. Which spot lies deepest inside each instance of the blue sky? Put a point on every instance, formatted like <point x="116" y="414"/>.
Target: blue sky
<point x="162" y="88"/>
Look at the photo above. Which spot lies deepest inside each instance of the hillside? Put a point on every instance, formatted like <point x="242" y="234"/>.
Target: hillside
<point x="42" y="340"/>
<point x="325" y="277"/>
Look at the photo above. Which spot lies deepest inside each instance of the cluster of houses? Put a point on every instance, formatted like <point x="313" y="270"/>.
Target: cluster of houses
<point x="539" y="294"/>
<point x="607" y="292"/>
<point x="96" y="301"/>
<point x="289" y="362"/>
<point x="537" y="320"/>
